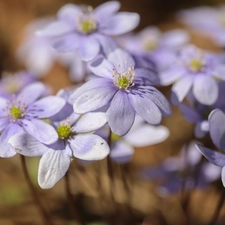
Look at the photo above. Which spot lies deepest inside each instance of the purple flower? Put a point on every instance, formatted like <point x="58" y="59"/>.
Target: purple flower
<point x="123" y="90"/>
<point x="24" y="113"/>
<point x="217" y="133"/>
<point x="194" y="70"/>
<point x="86" y="30"/>
<point x="76" y="139"/>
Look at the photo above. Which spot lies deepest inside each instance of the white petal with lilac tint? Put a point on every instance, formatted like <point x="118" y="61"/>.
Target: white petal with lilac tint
<point x="169" y="76"/>
<point x="190" y="114"/>
<point x="121" y="60"/>
<point x="121" y="152"/>
<point x="52" y="167"/>
<point x="182" y="87"/>
<point x="46" y="107"/>
<point x="26" y="145"/>
<point x="3" y="104"/>
<point x="217" y="128"/>
<point x="147" y="135"/>
<point x="211" y="172"/>
<point x="219" y="72"/>
<point x="145" y="108"/>
<point x="40" y="130"/>
<point x="31" y="93"/>
<point x="214" y="157"/>
<point x="89" y="122"/>
<point x="92" y="84"/>
<point x="66" y="43"/>
<point x="223" y="176"/>
<point x="93" y="99"/>
<point x="120" y="114"/>
<point x="199" y="133"/>
<point x="6" y="149"/>
<point x="4" y="121"/>
<point x="88" y="47"/>
<point x="89" y="147"/>
<point x="55" y="29"/>
<point x="103" y="11"/>
<point x="205" y="89"/>
<point x="121" y="23"/>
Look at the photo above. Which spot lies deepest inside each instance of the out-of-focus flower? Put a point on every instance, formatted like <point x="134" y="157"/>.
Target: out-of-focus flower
<point x="197" y="71"/>
<point x="124" y="90"/>
<point x="87" y="30"/>
<point x="76" y="139"/>
<point x="206" y="19"/>
<point x="24" y="113"/>
<point x="217" y="133"/>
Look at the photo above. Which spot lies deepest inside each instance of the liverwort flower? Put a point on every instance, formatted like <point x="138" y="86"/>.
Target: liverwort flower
<point x="195" y="70"/>
<point x="24" y="113"/>
<point x="124" y="90"/>
<point x="87" y="30"/>
<point x="75" y="139"/>
<point x="217" y="134"/>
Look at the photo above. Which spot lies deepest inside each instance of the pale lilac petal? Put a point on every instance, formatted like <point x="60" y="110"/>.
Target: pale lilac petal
<point x="40" y="130"/>
<point x="55" y="29"/>
<point x="120" y="114"/>
<point x="3" y="123"/>
<point x="31" y="93"/>
<point x="214" y="157"/>
<point x="3" y="104"/>
<point x="102" y="67"/>
<point x="90" y="122"/>
<point x="121" y="152"/>
<point x="121" y="23"/>
<point x="148" y="76"/>
<point x="190" y="113"/>
<point x="88" y="48"/>
<point x="66" y="43"/>
<point x="6" y="150"/>
<point x="147" y="135"/>
<point x="93" y="99"/>
<point x="205" y="89"/>
<point x="199" y="133"/>
<point x="219" y="72"/>
<point x="121" y="60"/>
<point x="46" y="107"/>
<point x="26" y="145"/>
<point x="146" y="108"/>
<point x="217" y="128"/>
<point x="89" y="147"/>
<point x="211" y="172"/>
<point x="52" y="167"/>
<point x="223" y="176"/>
<point x="182" y="87"/>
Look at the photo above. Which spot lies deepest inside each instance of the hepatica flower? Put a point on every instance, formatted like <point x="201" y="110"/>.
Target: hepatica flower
<point x="76" y="139"/>
<point x="217" y="133"/>
<point x="197" y="71"/>
<point x="24" y="113"/>
<point x="86" y="30"/>
<point x="123" y="90"/>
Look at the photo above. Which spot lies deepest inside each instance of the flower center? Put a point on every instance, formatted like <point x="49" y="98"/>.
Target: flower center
<point x="86" y="22"/>
<point x="196" y="65"/>
<point x="64" y="131"/>
<point x="124" y="79"/>
<point x="151" y="45"/>
<point x="16" y="112"/>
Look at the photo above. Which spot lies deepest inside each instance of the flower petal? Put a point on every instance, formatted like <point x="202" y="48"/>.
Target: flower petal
<point x="26" y="145"/>
<point x="89" y="147"/>
<point x="217" y="128"/>
<point x="190" y="114"/>
<point x="40" y="130"/>
<point x="52" y="167"/>
<point x="214" y="157"/>
<point x="121" y="23"/>
<point x="90" y="122"/>
<point x="3" y="105"/>
<point x="208" y="93"/>
<point x="223" y="176"/>
<point x="120" y="114"/>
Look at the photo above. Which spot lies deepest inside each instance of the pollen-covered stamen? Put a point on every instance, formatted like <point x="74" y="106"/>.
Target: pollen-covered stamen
<point x="124" y="79"/>
<point x="86" y="22"/>
<point x="64" y="130"/>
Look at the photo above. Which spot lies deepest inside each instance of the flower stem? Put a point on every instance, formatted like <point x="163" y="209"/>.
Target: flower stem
<point x="73" y="209"/>
<point x="43" y="213"/>
<point x="218" y="209"/>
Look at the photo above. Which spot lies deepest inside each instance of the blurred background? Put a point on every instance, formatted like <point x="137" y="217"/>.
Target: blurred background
<point x="134" y="200"/>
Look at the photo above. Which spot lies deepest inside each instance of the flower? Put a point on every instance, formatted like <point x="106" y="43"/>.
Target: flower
<point x="76" y="139"/>
<point x="24" y="113"/>
<point x="87" y="30"/>
<point x="217" y="134"/>
<point x="123" y="90"/>
<point x="196" y="69"/>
